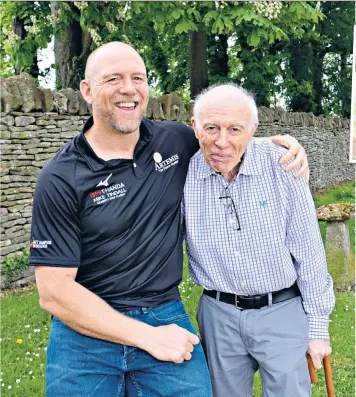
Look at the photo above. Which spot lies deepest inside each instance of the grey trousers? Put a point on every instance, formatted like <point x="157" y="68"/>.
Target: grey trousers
<point x="273" y="339"/>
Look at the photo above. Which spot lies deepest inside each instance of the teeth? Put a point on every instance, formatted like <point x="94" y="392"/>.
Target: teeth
<point x="126" y="105"/>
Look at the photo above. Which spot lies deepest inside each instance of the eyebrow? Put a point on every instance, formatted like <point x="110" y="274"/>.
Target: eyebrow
<point x="215" y="125"/>
<point x="107" y="75"/>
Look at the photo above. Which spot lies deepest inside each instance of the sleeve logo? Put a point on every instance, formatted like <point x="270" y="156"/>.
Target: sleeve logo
<point x="40" y="244"/>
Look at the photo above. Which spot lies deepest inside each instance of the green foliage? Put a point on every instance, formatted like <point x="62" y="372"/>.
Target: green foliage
<point x="14" y="266"/>
<point x="260" y="55"/>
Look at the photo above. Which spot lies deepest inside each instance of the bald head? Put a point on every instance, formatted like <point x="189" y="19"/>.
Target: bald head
<point x="114" y="51"/>
<point x="225" y="94"/>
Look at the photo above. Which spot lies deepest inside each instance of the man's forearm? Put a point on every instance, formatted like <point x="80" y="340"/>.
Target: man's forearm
<point x="88" y="314"/>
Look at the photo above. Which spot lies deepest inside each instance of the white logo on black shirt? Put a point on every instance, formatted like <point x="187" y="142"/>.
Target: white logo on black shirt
<point x="165" y="164"/>
<point x="105" y="182"/>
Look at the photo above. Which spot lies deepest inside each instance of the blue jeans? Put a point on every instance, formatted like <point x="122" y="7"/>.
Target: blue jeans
<point x="80" y="366"/>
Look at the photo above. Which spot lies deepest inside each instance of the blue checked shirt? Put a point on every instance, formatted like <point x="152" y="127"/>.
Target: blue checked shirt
<point x="278" y="243"/>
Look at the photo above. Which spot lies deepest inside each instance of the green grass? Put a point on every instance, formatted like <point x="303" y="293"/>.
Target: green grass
<point x="23" y="319"/>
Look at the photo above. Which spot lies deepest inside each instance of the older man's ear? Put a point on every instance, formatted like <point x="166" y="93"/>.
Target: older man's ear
<point x="194" y="126"/>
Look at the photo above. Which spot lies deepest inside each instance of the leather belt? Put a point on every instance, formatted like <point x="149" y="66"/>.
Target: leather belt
<point x="254" y="301"/>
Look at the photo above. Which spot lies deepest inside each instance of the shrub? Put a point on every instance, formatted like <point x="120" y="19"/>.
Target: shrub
<point x="14" y="266"/>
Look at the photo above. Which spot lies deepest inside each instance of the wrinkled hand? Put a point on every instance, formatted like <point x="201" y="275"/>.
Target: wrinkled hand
<point x="171" y="343"/>
<point x="318" y="349"/>
<point x="295" y="150"/>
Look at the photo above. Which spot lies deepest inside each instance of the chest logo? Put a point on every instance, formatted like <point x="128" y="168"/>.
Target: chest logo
<point x="163" y="165"/>
<point x="105" y="182"/>
<point x="108" y="193"/>
<point x="263" y="203"/>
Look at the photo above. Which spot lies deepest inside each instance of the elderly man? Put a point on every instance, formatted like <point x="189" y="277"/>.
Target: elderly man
<point x="253" y="243"/>
<point x="108" y="206"/>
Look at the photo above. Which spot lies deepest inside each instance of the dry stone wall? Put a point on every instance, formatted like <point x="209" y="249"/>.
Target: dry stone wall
<point x="36" y="123"/>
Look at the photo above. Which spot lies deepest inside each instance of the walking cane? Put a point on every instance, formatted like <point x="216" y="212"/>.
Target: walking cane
<point x="328" y="374"/>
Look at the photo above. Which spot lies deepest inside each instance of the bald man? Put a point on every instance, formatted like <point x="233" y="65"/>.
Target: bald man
<point x="267" y="292"/>
<point x="107" y="246"/>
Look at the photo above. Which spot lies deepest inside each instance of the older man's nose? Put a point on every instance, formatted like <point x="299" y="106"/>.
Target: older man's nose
<point x="222" y="140"/>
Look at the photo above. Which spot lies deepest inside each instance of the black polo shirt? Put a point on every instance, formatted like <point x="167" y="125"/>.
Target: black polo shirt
<point x="118" y="221"/>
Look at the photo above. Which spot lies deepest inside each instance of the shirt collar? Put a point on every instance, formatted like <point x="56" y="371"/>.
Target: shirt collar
<point x="94" y="162"/>
<point x="250" y="165"/>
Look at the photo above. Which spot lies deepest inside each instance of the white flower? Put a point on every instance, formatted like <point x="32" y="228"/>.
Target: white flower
<point x="18" y="381"/>
<point x="27" y="353"/>
<point x="36" y="330"/>
<point x="27" y="326"/>
<point x="9" y="387"/>
<point x="37" y="355"/>
<point x="111" y="27"/>
<point x="30" y="373"/>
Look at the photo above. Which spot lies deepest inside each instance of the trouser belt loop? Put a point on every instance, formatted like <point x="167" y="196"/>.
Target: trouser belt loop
<point x="270" y="299"/>
<point x="217" y="295"/>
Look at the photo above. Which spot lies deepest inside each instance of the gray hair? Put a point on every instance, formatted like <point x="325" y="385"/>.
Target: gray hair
<point x="249" y="96"/>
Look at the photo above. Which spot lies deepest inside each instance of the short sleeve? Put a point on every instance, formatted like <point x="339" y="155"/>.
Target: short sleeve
<point x="55" y="231"/>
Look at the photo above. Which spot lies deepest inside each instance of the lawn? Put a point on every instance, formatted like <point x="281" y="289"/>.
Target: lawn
<point x="25" y="328"/>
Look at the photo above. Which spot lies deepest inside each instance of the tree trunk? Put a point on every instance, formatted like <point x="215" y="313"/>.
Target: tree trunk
<point x="198" y="64"/>
<point x="318" y="56"/>
<point x="344" y="89"/>
<point x="71" y="50"/>
<point x="218" y="57"/>
<point x="301" y="64"/>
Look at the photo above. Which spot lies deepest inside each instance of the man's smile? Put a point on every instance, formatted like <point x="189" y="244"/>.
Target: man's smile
<point x="126" y="106"/>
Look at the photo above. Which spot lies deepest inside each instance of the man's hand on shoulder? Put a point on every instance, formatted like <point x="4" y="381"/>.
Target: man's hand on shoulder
<point x="295" y="150"/>
<point x="318" y="349"/>
<point x="170" y="343"/>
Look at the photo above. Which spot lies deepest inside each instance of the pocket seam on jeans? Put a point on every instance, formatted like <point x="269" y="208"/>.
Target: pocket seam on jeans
<point x="174" y="318"/>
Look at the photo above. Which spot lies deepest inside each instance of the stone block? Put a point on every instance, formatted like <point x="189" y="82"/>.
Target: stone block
<point x="21" y="239"/>
<point x="73" y="101"/>
<point x="62" y="123"/>
<point x="7" y="120"/>
<point x="43" y="156"/>
<point x="39" y="164"/>
<point x="18" y="164"/>
<point x="19" y="207"/>
<point x="46" y="99"/>
<point x="27" y="170"/>
<point x="31" y="127"/>
<point x="44" y="121"/>
<point x="18" y="233"/>
<point x="3" y="212"/>
<point x="24" y="134"/>
<point x="5" y="243"/>
<point x="30" y="94"/>
<point x="4" y="171"/>
<point x="24" y="121"/>
<point x="10" y="217"/>
<point x="19" y="196"/>
<point x="10" y="95"/>
<point x="69" y="134"/>
<point x="60" y="102"/>
<point x="4" y="134"/>
<point x="10" y="224"/>
<point x="14" y="248"/>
